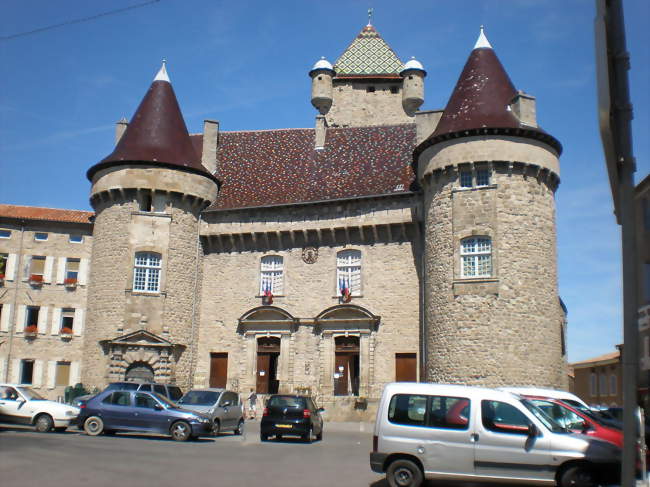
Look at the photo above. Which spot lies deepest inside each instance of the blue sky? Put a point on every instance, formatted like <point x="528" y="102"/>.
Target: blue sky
<point x="245" y="64"/>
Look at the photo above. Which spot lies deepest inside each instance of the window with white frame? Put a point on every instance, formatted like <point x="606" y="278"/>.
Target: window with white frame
<point x="4" y="233"/>
<point x="482" y="177"/>
<point x="37" y="266"/>
<point x="476" y="257"/>
<point x="67" y="320"/>
<point x="465" y="179"/>
<point x="40" y="236"/>
<point x="613" y="385"/>
<point x="75" y="238"/>
<point x="31" y="316"/>
<point x="72" y="270"/>
<point x="272" y="275"/>
<point x="348" y="272"/>
<point x="62" y="375"/>
<point x="146" y="272"/>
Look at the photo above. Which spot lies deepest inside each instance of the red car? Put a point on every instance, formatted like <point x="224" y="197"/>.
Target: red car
<point x="576" y="420"/>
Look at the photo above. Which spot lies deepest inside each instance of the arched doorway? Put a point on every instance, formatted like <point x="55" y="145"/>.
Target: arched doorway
<point x="268" y="352"/>
<point x="139" y="371"/>
<point x="346" y="367"/>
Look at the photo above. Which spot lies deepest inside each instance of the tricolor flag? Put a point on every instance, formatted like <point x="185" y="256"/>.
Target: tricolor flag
<point x="346" y="296"/>
<point x="267" y="295"/>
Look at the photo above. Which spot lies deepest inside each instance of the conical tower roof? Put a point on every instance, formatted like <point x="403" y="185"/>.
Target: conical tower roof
<point x="481" y="100"/>
<point x="156" y="134"/>
<point x="368" y="56"/>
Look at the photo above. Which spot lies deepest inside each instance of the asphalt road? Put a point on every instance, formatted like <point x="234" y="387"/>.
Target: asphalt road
<point x="72" y="459"/>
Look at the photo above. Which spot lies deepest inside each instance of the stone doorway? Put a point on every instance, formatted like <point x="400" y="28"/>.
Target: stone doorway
<point x="346" y="366"/>
<point x="139" y="371"/>
<point x="268" y="353"/>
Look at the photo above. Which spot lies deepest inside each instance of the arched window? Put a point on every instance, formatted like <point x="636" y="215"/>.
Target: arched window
<point x="271" y="275"/>
<point x="146" y="272"/>
<point x="348" y="272"/>
<point x="476" y="257"/>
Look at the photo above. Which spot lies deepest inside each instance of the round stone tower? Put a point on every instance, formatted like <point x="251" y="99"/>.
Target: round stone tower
<point x="489" y="174"/>
<point x="148" y="195"/>
<point x="413" y="86"/>
<point x="321" y="85"/>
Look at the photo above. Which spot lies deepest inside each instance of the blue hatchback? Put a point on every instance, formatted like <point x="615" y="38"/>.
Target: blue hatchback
<point x="112" y="411"/>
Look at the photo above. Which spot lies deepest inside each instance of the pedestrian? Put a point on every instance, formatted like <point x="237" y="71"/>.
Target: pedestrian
<point x="252" y="405"/>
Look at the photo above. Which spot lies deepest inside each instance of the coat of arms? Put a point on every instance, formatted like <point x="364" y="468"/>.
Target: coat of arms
<point x="309" y="255"/>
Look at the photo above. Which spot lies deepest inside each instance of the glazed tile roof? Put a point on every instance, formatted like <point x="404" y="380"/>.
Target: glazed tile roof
<point x="47" y="214"/>
<point x="275" y="167"/>
<point x="368" y="55"/>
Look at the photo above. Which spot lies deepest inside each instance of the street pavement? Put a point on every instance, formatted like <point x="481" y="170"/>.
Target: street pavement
<point x="72" y="459"/>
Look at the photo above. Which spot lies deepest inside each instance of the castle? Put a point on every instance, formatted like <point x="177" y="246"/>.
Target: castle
<point x="384" y="244"/>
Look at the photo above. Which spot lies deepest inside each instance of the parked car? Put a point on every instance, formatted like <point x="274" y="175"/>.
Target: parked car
<point x="288" y="415"/>
<point x="111" y="411"/>
<point x="224" y="408"/>
<point x="170" y="391"/>
<point x="435" y="431"/>
<point x="22" y="405"/>
<point x="564" y="396"/>
<point x="578" y="421"/>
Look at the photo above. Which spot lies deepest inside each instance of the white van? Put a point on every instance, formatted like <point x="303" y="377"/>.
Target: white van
<point x="436" y="431"/>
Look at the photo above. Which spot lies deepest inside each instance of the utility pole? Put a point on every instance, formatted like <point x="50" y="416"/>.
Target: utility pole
<point x="615" y="117"/>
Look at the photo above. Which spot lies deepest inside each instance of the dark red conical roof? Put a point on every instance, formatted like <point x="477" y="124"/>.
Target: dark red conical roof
<point x="156" y="134"/>
<point x="481" y="100"/>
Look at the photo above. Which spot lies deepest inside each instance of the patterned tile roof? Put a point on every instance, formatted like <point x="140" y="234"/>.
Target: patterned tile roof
<point x="274" y="167"/>
<point x="47" y="214"/>
<point x="368" y="55"/>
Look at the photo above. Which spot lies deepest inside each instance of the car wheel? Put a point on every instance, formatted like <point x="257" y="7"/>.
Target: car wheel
<point x="180" y="431"/>
<point x="43" y="423"/>
<point x="216" y="427"/>
<point x="94" y="426"/>
<point x="264" y="437"/>
<point x="578" y="476"/>
<point x="240" y="428"/>
<point x="307" y="437"/>
<point x="404" y="473"/>
<point x="319" y="436"/>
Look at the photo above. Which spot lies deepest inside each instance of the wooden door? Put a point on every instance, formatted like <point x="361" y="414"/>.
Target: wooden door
<point x="341" y="371"/>
<point x="263" y="372"/>
<point x="406" y="367"/>
<point x="218" y="369"/>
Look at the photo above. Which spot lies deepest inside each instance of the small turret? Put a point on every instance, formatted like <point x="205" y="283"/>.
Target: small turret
<point x="321" y="85"/>
<point x="413" y="87"/>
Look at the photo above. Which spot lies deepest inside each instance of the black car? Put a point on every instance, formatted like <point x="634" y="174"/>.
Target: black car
<point x="288" y="415"/>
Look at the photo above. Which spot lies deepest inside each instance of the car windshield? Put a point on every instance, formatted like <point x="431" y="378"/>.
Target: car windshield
<point x="286" y="402"/>
<point x="30" y="395"/>
<point x="546" y="420"/>
<point x="199" y="398"/>
<point x="580" y="407"/>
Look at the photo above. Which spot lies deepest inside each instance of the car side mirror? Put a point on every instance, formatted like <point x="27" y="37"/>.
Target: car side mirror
<point x="584" y="427"/>
<point x="158" y="407"/>
<point x="532" y="430"/>
<point x="321" y="410"/>
<point x="226" y="404"/>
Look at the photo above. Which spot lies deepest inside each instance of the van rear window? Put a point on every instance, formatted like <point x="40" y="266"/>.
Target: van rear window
<point x="429" y="411"/>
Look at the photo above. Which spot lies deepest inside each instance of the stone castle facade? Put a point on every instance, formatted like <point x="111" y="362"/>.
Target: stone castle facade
<point x="385" y="244"/>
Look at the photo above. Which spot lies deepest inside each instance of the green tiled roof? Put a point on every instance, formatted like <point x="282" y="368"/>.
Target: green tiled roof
<point x="368" y="55"/>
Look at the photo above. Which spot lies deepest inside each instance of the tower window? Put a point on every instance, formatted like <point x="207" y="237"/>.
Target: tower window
<point x="482" y="177"/>
<point x="476" y="257"/>
<point x="145" y="202"/>
<point x="271" y="274"/>
<point x="466" y="179"/>
<point x="146" y="273"/>
<point x="370" y="89"/>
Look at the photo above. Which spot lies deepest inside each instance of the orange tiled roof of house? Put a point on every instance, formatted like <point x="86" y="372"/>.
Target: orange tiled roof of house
<point x="601" y="358"/>
<point x="47" y="214"/>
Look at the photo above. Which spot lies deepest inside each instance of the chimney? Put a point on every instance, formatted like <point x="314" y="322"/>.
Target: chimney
<point x="210" y="141"/>
<point x="321" y="130"/>
<point x="523" y="106"/>
<point x="120" y="128"/>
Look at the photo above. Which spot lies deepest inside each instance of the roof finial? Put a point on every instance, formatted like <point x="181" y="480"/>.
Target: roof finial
<point x="370" y="16"/>
<point x="162" y="74"/>
<point x="482" y="41"/>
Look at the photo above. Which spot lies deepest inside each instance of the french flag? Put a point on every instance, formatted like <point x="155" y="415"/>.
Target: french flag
<point x="345" y="291"/>
<point x="268" y="295"/>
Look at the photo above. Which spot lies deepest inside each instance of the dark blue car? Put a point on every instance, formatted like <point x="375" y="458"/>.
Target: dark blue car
<point x="112" y="411"/>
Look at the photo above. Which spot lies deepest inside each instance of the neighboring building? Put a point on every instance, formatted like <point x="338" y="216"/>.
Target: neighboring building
<point x="598" y="381"/>
<point x="385" y="244"/>
<point x="642" y="198"/>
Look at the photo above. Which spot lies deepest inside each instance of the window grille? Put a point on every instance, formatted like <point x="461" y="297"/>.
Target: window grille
<point x="271" y="274"/>
<point x="465" y="179"/>
<point x="146" y="274"/>
<point x="482" y="177"/>
<point x="348" y="271"/>
<point x="476" y="257"/>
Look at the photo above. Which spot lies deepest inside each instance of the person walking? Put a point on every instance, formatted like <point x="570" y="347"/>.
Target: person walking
<point x="252" y="405"/>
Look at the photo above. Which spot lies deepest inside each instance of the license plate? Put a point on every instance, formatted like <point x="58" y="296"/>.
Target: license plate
<point x="283" y="426"/>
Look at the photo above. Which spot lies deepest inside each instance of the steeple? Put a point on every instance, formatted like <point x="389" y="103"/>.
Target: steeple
<point x="156" y="134"/>
<point x="483" y="99"/>
<point x="368" y="56"/>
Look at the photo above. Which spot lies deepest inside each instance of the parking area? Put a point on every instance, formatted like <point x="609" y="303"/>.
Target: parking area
<point x="72" y="459"/>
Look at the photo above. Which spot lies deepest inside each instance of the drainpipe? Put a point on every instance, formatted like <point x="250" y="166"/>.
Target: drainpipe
<point x="17" y="273"/>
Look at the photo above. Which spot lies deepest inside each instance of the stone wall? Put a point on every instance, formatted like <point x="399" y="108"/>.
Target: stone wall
<point x="47" y="346"/>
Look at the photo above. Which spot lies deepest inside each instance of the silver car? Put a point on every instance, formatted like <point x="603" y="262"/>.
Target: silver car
<point x="223" y="407"/>
<point x="452" y="432"/>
